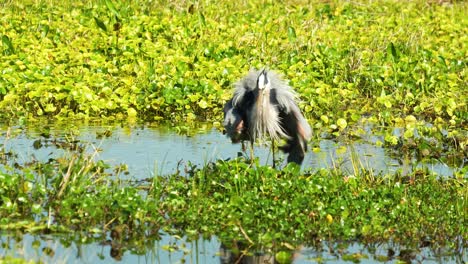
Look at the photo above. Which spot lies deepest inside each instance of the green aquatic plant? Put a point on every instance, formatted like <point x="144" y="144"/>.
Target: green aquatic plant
<point x="251" y="204"/>
<point x="178" y="61"/>
<point x="382" y="64"/>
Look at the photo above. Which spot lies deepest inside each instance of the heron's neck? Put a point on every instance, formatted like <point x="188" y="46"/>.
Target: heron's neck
<point x="265" y="118"/>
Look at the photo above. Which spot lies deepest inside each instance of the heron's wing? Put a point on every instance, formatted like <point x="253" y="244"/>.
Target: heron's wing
<point x="285" y="98"/>
<point x="294" y="122"/>
<point x="284" y="95"/>
<point x="299" y="132"/>
<point x="303" y="126"/>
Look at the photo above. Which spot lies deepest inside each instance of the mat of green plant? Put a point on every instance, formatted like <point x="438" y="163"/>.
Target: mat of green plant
<point x="234" y="200"/>
<point x="178" y="60"/>
<point x="389" y="63"/>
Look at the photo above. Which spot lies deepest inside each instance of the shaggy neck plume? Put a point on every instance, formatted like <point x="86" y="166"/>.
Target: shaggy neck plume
<point x="265" y="119"/>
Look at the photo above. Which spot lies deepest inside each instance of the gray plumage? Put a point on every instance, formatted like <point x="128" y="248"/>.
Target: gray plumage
<point x="264" y="106"/>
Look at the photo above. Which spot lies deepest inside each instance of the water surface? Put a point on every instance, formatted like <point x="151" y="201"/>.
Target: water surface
<point x="150" y="150"/>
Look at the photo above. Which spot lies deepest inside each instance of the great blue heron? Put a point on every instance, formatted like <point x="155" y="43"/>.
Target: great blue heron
<point x="264" y="106"/>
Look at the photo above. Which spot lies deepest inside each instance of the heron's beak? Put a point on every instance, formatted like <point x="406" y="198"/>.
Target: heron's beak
<point x="262" y="81"/>
<point x="263" y="84"/>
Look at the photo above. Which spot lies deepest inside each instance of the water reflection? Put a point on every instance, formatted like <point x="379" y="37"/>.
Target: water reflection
<point x="170" y="249"/>
<point x="151" y="150"/>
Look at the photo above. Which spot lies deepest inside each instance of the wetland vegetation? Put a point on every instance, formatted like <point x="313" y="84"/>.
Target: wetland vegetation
<point x="387" y="73"/>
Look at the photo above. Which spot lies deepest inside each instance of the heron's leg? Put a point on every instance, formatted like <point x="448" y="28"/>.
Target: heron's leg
<point x="273" y="152"/>
<point x="251" y="152"/>
<point x="243" y="152"/>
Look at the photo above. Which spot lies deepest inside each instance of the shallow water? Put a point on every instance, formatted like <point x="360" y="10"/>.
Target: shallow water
<point x="51" y="249"/>
<point x="151" y="150"/>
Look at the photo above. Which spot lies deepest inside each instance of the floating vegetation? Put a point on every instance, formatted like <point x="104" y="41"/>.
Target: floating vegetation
<point x="391" y="73"/>
<point x="392" y="61"/>
<point x="236" y="201"/>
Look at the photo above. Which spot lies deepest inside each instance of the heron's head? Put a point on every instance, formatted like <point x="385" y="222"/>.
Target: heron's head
<point x="263" y="83"/>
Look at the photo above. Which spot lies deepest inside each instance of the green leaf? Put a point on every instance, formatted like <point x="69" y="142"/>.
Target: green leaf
<point x="100" y="24"/>
<point x="341" y="123"/>
<point x="45" y="30"/>
<point x="6" y="41"/>
<point x="201" y="19"/>
<point x="203" y="104"/>
<point x="291" y="34"/>
<point x="409" y="133"/>
<point x="50" y="108"/>
<point x="391" y="50"/>
<point x="283" y="257"/>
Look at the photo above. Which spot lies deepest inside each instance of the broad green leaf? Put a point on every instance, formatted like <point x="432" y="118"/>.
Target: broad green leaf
<point x="341" y="123"/>
<point x="100" y="24"/>
<point x="391" y="51"/>
<point x="393" y="140"/>
<point x="409" y="133"/>
<point x="131" y="112"/>
<point x="44" y="30"/>
<point x="201" y="19"/>
<point x="7" y="42"/>
<point x="324" y="118"/>
<point x="410" y="119"/>
<point x="291" y="33"/>
<point x="203" y="104"/>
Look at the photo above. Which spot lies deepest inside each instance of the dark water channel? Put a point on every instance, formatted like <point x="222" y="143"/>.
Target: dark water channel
<point x="151" y="150"/>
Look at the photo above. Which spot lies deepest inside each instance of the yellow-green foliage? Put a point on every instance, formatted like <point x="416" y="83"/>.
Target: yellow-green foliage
<point x="177" y="60"/>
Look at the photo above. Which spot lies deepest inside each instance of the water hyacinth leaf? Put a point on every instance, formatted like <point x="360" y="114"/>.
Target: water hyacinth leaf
<point x="291" y="34"/>
<point x="203" y="104"/>
<point x="131" y="112"/>
<point x="324" y="118"/>
<point x="44" y="30"/>
<point x="410" y="119"/>
<point x="36" y="208"/>
<point x="284" y="257"/>
<point x="201" y="19"/>
<point x="341" y="123"/>
<point x="7" y="42"/>
<point x="409" y="133"/>
<point x="50" y="108"/>
<point x="392" y="139"/>
<point x="100" y="24"/>
<point x="391" y="51"/>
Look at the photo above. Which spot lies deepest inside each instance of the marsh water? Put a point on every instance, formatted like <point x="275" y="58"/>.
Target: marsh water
<point x="150" y="150"/>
